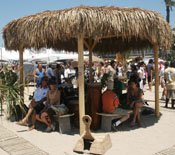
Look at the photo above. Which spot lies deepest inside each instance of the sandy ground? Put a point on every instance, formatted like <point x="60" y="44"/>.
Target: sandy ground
<point x="154" y="136"/>
<point x="3" y="152"/>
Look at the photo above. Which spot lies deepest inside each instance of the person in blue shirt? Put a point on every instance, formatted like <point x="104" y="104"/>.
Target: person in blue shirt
<point x="39" y="74"/>
<point x="50" y="72"/>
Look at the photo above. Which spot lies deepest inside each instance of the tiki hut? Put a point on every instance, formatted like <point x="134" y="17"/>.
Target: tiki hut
<point x="100" y="29"/>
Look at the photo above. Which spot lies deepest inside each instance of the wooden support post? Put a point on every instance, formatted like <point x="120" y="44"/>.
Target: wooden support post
<point x="156" y="80"/>
<point x="21" y="78"/>
<point x="81" y="82"/>
<point x="90" y="61"/>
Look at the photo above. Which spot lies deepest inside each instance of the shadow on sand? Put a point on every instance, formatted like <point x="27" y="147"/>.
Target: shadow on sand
<point x="148" y="119"/>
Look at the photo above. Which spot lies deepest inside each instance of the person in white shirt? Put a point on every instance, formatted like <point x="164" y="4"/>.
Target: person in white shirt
<point x="140" y="73"/>
<point x="110" y="70"/>
<point x="66" y="72"/>
<point x="38" y="102"/>
<point x="120" y="70"/>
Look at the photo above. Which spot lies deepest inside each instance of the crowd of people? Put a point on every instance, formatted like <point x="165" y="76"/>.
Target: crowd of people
<point x="112" y="75"/>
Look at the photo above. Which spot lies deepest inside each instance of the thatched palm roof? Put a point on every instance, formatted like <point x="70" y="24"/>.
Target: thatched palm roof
<point x="117" y="29"/>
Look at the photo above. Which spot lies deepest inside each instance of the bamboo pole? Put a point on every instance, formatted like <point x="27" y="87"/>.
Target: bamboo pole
<point x="21" y="79"/>
<point x="81" y="82"/>
<point x="156" y="80"/>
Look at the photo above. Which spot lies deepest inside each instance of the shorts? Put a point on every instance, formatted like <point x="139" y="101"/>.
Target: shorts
<point x="162" y="83"/>
<point x="39" y="108"/>
<point x="120" y="111"/>
<point x="170" y="94"/>
<point x="149" y="79"/>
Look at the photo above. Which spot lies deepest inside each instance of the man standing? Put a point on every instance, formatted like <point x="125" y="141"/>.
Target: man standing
<point x="170" y="85"/>
<point x="39" y="74"/>
<point x="150" y="68"/>
<point x="50" y="71"/>
<point x="111" y="71"/>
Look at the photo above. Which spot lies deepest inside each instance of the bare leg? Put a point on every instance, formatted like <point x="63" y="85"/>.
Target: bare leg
<point x="135" y="115"/>
<point x="33" y="122"/>
<point x="44" y="120"/>
<point x="150" y="86"/>
<point x="123" y="119"/>
<point x="139" y="105"/>
<point x="25" y="119"/>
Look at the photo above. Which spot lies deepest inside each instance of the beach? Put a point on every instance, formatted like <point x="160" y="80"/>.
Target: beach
<point x="155" y="135"/>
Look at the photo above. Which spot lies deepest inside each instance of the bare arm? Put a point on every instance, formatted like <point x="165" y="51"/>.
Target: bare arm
<point x="35" y="74"/>
<point x="45" y="73"/>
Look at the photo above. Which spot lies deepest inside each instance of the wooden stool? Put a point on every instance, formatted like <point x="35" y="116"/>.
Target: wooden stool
<point x="107" y="118"/>
<point x="64" y="123"/>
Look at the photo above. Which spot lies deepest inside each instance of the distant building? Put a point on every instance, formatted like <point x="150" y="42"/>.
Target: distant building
<point x="145" y="53"/>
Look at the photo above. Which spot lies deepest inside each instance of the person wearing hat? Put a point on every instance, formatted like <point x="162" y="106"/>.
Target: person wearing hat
<point x="10" y="76"/>
<point x="110" y="104"/>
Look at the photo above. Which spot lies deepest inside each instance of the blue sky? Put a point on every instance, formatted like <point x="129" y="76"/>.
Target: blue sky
<point x="12" y="9"/>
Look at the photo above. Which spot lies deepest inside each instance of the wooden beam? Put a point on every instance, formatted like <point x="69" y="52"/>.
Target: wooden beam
<point x="86" y="44"/>
<point x="95" y="43"/>
<point x="81" y="82"/>
<point x="156" y="52"/>
<point x="21" y="78"/>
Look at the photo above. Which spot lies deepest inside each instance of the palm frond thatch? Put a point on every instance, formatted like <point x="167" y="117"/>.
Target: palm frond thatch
<point x="116" y="29"/>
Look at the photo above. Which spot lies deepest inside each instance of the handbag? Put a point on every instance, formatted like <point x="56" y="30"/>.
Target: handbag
<point x="60" y="109"/>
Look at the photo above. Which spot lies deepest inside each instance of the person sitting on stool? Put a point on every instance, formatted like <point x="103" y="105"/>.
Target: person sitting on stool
<point x="110" y="102"/>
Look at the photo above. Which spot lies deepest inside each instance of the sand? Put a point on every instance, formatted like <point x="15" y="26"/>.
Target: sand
<point x="154" y="136"/>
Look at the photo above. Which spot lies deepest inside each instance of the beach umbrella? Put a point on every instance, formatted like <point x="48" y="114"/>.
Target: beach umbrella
<point x="100" y="29"/>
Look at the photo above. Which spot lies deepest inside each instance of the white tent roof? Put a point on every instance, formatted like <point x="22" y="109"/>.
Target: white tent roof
<point x="13" y="55"/>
